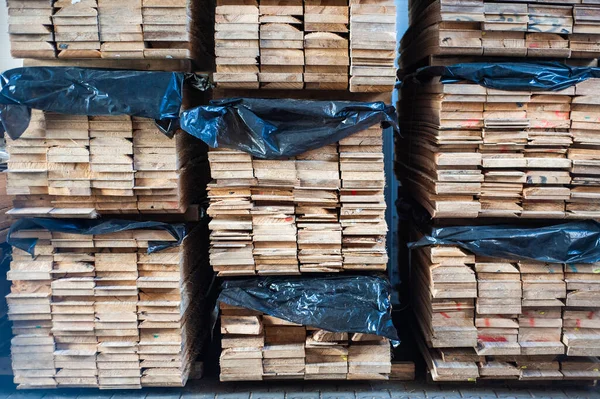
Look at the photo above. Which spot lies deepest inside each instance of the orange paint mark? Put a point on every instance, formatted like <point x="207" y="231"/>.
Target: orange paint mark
<point x="444" y="314"/>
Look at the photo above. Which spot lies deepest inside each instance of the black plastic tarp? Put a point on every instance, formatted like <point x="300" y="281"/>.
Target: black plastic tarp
<point x="355" y="304"/>
<point x="92" y="227"/>
<point x="574" y="242"/>
<point x="283" y="127"/>
<point x="88" y="91"/>
<point x="514" y="76"/>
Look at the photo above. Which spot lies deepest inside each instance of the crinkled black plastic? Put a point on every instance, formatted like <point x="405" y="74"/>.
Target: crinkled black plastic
<point x="279" y="128"/>
<point x="88" y="91"/>
<point x="574" y="242"/>
<point x="92" y="227"/>
<point x="514" y="76"/>
<point x="356" y="304"/>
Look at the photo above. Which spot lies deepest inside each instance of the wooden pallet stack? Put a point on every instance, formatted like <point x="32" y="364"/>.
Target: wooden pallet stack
<point x="281" y="49"/>
<point x="442" y="32"/>
<point x="237" y="44"/>
<point x="518" y="326"/>
<point x="325" y="44"/>
<point x="79" y="165"/>
<point x="322" y="211"/>
<point x="372" y="45"/>
<point x="306" y="44"/>
<point x="481" y="152"/>
<point x="30" y="28"/>
<point x="99" y="311"/>
<point x="131" y="29"/>
<point x="261" y="347"/>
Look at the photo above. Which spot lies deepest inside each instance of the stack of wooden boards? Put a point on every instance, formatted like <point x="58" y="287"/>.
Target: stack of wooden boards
<point x="261" y="347"/>
<point x="491" y="318"/>
<point x="5" y="205"/>
<point x="306" y="44"/>
<point x="470" y="151"/>
<point x="547" y="28"/>
<point x="75" y="165"/>
<point x="99" y="311"/>
<point x="129" y="29"/>
<point x="321" y="211"/>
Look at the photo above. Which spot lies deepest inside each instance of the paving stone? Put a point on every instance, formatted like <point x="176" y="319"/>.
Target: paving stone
<point x="397" y="394"/>
<point x="236" y="395"/>
<point x="303" y="395"/>
<point x="164" y="394"/>
<point x="31" y="394"/>
<point x="197" y="395"/>
<point x="475" y="393"/>
<point x="267" y="395"/>
<point x="338" y="395"/>
<point x="505" y="393"/>
<point x="27" y="395"/>
<point x="130" y="394"/>
<point x="379" y="394"/>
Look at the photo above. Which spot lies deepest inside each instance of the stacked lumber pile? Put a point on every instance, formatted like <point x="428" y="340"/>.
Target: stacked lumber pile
<point x="490" y="318"/>
<point x="261" y="347"/>
<point x="98" y="311"/>
<point x="305" y="44"/>
<point x="74" y="165"/>
<point x="471" y="151"/>
<point x="548" y="29"/>
<point x="130" y="29"/>
<point x="372" y="45"/>
<point x="322" y="211"/>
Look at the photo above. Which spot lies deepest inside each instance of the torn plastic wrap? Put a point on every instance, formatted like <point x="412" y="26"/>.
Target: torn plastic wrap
<point x="575" y="242"/>
<point x="88" y="91"/>
<point x="279" y="128"/>
<point x="92" y="227"/>
<point x="356" y="304"/>
<point x="513" y="76"/>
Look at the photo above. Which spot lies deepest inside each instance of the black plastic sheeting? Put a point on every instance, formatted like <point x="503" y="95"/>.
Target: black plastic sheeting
<point x="279" y="128"/>
<point x="355" y="304"/>
<point x="574" y="242"/>
<point x="89" y="91"/>
<point x="514" y="76"/>
<point x="92" y="227"/>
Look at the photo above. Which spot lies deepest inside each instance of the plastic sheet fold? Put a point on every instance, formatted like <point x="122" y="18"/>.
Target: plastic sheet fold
<point x="574" y="242"/>
<point x="280" y="128"/>
<point x="513" y="76"/>
<point x="355" y="304"/>
<point x="92" y="227"/>
<point x="90" y="91"/>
